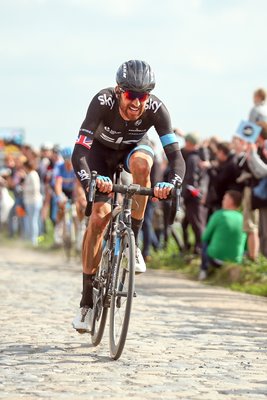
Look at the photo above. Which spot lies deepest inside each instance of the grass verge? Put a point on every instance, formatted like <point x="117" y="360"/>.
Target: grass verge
<point x="248" y="277"/>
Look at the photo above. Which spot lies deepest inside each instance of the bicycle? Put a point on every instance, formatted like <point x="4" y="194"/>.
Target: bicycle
<point x="69" y="227"/>
<point x="113" y="287"/>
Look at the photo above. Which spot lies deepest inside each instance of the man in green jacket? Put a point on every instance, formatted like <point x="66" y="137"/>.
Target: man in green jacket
<point x="223" y="238"/>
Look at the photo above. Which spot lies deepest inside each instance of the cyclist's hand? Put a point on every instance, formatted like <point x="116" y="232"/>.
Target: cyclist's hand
<point x="62" y="199"/>
<point x="162" y="189"/>
<point x="104" y="184"/>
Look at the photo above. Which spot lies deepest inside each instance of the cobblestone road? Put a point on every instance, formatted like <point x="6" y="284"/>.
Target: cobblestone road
<point x="186" y="340"/>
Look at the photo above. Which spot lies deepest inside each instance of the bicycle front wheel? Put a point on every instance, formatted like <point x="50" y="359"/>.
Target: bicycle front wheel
<point x="100" y="299"/>
<point x="122" y="294"/>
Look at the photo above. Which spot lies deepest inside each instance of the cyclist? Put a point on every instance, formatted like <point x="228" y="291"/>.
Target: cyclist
<point x="114" y="131"/>
<point x="65" y="184"/>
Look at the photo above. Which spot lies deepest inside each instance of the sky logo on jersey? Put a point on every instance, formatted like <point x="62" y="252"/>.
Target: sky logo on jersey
<point x="106" y="100"/>
<point x="153" y="105"/>
<point x="84" y="141"/>
<point x="83" y="175"/>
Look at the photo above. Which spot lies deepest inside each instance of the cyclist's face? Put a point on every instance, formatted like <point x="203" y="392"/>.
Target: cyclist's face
<point x="131" y="110"/>
<point x="68" y="164"/>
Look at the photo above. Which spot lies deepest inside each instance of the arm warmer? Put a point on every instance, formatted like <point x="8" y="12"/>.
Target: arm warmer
<point x="80" y="165"/>
<point x="176" y="161"/>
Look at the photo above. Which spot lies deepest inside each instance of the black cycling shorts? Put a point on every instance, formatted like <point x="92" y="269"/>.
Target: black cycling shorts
<point x="105" y="160"/>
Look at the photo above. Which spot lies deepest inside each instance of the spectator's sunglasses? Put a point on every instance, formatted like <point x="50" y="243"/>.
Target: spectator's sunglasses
<point x="131" y="95"/>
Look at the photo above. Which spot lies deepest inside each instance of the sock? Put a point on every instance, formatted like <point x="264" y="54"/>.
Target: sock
<point x="136" y="227"/>
<point x="87" y="293"/>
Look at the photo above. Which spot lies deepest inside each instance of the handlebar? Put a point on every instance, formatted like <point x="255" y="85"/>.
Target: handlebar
<point x="132" y="189"/>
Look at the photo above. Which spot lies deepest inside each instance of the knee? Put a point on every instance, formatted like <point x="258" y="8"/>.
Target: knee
<point x="141" y="168"/>
<point x="99" y="219"/>
<point x="97" y="223"/>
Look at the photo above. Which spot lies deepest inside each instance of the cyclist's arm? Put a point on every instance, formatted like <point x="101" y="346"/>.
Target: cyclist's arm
<point x="80" y="166"/>
<point x="58" y="185"/>
<point x="170" y="144"/>
<point x="84" y="141"/>
<point x="176" y="161"/>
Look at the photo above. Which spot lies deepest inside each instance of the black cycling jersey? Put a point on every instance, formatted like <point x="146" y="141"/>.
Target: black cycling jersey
<point x="104" y="123"/>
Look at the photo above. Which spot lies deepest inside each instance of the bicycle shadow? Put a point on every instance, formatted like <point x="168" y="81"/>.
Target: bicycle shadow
<point x="24" y="354"/>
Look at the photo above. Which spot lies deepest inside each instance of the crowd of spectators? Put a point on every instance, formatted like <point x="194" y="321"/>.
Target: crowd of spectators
<point x="32" y="189"/>
<point x="224" y="182"/>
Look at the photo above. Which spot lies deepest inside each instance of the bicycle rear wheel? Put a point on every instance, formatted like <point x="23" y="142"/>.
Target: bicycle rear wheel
<point x="67" y="240"/>
<point x="122" y="295"/>
<point x="100" y="294"/>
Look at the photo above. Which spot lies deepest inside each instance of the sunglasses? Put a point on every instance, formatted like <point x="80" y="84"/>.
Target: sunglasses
<point x="131" y="95"/>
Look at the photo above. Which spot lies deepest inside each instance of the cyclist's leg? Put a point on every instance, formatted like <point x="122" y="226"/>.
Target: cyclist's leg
<point x="91" y="255"/>
<point x="104" y="161"/>
<point x="139" y="162"/>
<point x="93" y="237"/>
<point x="58" y="228"/>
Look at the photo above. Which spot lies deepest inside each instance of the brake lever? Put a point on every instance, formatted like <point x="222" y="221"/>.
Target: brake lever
<point x="91" y="193"/>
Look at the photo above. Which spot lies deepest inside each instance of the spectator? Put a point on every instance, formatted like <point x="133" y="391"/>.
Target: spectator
<point x="223" y="238"/>
<point x="258" y="113"/>
<point x="45" y="157"/>
<point x="195" y="212"/>
<point x="6" y="201"/>
<point x="257" y="161"/>
<point x="65" y="186"/>
<point x="33" y="202"/>
<point x="50" y="201"/>
<point x="16" y="219"/>
<point x="209" y="163"/>
<point x="225" y="174"/>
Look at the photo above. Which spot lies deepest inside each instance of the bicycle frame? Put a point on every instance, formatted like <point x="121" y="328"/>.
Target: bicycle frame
<point x="114" y="283"/>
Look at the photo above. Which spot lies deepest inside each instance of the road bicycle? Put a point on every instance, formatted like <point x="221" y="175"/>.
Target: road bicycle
<point x="69" y="222"/>
<point x="113" y="287"/>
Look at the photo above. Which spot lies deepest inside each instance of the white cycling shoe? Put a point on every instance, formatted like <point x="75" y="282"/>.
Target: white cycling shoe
<point x="140" y="265"/>
<point x="83" y="320"/>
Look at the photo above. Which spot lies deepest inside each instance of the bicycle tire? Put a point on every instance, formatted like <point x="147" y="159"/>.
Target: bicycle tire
<point x="67" y="245"/>
<point x="67" y="248"/>
<point x="100" y="292"/>
<point x="122" y="296"/>
<point x="68" y="231"/>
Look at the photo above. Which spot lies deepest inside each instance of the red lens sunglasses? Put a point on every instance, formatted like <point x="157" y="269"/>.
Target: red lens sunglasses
<point x="131" y="95"/>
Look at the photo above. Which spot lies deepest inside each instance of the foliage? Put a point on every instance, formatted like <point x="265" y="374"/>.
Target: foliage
<point x="249" y="277"/>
